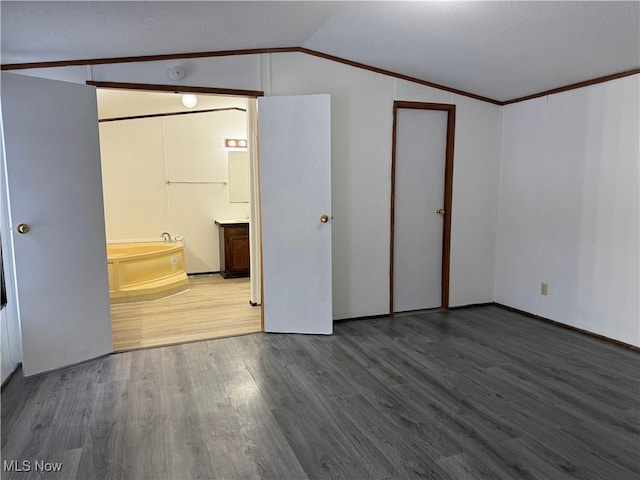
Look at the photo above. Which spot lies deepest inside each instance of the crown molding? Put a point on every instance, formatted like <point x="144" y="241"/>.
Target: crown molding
<point x="315" y="53"/>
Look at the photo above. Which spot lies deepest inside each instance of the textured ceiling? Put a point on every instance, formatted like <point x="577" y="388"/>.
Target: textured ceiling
<point x="37" y="31"/>
<point x="500" y="50"/>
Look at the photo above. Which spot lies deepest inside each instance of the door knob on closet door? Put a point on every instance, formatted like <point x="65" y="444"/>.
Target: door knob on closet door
<point x="324" y="218"/>
<point x="23" y="228"/>
<point x="440" y="211"/>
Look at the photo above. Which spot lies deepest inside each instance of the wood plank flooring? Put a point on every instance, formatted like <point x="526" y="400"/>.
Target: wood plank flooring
<point x="480" y="393"/>
<point x="212" y="308"/>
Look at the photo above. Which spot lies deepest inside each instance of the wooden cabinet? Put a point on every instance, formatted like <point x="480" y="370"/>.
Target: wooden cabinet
<point x="234" y="249"/>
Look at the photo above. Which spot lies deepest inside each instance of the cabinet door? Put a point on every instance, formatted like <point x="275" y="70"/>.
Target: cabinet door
<point x="237" y="249"/>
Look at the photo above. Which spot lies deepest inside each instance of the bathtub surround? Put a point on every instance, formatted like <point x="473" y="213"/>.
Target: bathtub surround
<point x="139" y="157"/>
<point x="145" y="271"/>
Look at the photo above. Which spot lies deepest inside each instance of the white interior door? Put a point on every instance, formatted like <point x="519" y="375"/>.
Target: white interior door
<point x="52" y="162"/>
<point x="295" y="185"/>
<point x="421" y="137"/>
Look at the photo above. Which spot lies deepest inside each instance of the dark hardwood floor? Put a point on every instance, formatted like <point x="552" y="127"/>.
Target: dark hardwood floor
<point x="466" y="394"/>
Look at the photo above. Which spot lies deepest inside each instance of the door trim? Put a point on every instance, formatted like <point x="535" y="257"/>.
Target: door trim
<point x="448" y="191"/>
<point x="156" y="87"/>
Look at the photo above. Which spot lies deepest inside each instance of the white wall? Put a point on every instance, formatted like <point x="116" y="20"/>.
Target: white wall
<point x="362" y="104"/>
<point x="138" y="156"/>
<point x="362" y="107"/>
<point x="361" y="121"/>
<point x="241" y="72"/>
<point x="568" y="209"/>
<point x="133" y="178"/>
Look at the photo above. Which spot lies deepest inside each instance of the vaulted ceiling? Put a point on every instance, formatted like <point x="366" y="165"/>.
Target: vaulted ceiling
<point x="500" y="50"/>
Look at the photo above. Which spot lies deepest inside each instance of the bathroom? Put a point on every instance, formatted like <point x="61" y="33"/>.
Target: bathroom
<point x="174" y="168"/>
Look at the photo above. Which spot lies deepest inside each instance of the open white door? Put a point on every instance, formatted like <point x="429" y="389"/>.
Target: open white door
<point x="295" y="186"/>
<point x="52" y="167"/>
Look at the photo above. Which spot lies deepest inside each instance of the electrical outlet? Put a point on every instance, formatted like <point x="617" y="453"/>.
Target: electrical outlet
<point x="544" y="289"/>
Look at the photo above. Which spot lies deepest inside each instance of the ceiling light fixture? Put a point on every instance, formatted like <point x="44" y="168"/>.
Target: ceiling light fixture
<point x="189" y="100"/>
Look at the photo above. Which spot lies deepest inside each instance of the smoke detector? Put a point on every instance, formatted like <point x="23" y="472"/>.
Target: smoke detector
<point x="176" y="73"/>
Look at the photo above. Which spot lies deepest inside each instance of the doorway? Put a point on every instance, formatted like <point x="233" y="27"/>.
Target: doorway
<point x="421" y="191"/>
<point x="176" y="181"/>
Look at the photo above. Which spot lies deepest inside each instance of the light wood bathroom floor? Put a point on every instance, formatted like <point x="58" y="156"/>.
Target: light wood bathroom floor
<point x="212" y="308"/>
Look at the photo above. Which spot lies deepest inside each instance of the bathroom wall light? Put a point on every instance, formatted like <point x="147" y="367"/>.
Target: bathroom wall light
<point x="189" y="100"/>
<point x="235" y="143"/>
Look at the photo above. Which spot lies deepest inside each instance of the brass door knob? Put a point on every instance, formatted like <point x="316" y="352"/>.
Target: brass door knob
<point x="440" y="211"/>
<point x="23" y="228"/>
<point x="324" y="218"/>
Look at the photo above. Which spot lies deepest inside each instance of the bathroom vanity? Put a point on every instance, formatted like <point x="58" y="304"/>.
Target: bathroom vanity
<point x="234" y="247"/>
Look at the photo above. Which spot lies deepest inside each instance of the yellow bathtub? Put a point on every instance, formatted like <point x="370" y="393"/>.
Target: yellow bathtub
<point x="145" y="270"/>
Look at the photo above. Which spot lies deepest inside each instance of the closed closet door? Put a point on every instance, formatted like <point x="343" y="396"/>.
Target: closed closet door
<point x="421" y="140"/>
